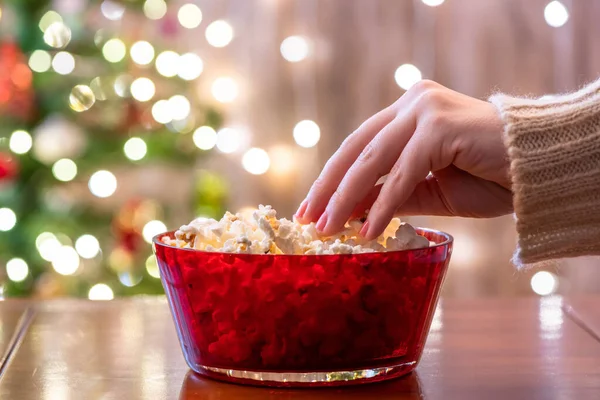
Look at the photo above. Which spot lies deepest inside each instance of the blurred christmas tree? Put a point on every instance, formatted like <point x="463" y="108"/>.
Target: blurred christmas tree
<point x="79" y="98"/>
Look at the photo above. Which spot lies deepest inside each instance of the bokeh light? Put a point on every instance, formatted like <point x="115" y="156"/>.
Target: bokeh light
<point x="100" y="86"/>
<point x="167" y="63"/>
<point x="81" y="98"/>
<point x="135" y="149"/>
<point x="283" y="160"/>
<point x="205" y="138"/>
<point x="190" y="66"/>
<point x="142" y="89"/>
<point x="130" y="279"/>
<point x="102" y="184"/>
<point x="57" y="35"/>
<point x="407" y="75"/>
<point x="48" y="19"/>
<point x="229" y="140"/>
<point x="556" y="14"/>
<point x="47" y="245"/>
<point x="179" y="107"/>
<point x="87" y="246"/>
<point x="152" y="267"/>
<point x="65" y="260"/>
<point x="40" y="61"/>
<point x="63" y="63"/>
<point x="224" y="89"/>
<point x="101" y="292"/>
<point x="433" y="3"/>
<point x="294" y="48"/>
<point x="161" y="112"/>
<point x="64" y="170"/>
<point x="142" y="52"/>
<point x="153" y="228"/>
<point x="307" y="133"/>
<point x="155" y="9"/>
<point x="17" y="269"/>
<point x="112" y="10"/>
<point x="544" y="283"/>
<point x="114" y="50"/>
<point x="189" y="16"/>
<point x="219" y="33"/>
<point x="20" y="142"/>
<point x="122" y="85"/>
<point x="256" y="161"/>
<point x="8" y="219"/>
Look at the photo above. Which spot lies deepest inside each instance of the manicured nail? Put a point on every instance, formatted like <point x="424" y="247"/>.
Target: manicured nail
<point x="322" y="222"/>
<point x="364" y="230"/>
<point x="302" y="208"/>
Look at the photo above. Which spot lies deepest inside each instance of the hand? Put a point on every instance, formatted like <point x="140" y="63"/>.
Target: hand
<point x="443" y="154"/>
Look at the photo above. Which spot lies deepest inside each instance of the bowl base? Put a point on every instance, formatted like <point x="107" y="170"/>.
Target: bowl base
<point x="307" y="379"/>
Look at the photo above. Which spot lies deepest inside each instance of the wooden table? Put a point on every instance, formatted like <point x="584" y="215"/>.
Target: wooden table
<point x="527" y="348"/>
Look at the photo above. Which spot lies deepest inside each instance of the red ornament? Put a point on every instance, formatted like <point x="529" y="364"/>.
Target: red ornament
<point x="16" y="92"/>
<point x="9" y="167"/>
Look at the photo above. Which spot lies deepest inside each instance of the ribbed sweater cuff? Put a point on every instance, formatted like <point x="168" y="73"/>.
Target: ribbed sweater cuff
<point x="554" y="149"/>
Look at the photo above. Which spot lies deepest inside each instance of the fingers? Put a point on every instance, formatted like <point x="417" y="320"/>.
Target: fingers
<point x="375" y="160"/>
<point x="339" y="163"/>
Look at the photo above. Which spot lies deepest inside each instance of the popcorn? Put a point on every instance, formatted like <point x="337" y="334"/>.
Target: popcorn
<point x="262" y="233"/>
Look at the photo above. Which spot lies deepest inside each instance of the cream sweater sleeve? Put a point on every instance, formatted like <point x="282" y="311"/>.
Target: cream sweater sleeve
<point x="554" y="150"/>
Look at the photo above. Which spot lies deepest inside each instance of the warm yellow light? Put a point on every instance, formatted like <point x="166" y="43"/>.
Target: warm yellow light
<point x="155" y="9"/>
<point x="114" y="50"/>
<point x="161" y="112"/>
<point x="135" y="149"/>
<point x="64" y="170"/>
<point x="229" y="140"/>
<point x="219" y="33"/>
<point x="179" y="107"/>
<point x="102" y="184"/>
<point x="57" y="35"/>
<point x="283" y="160"/>
<point x="142" y="53"/>
<point x="48" y="19"/>
<point x="112" y="10"/>
<point x="17" y="269"/>
<point x="407" y="75"/>
<point x="20" y="142"/>
<point x="87" y="246"/>
<point x="65" y="260"/>
<point x="152" y="267"/>
<point x="307" y="133"/>
<point x="190" y="66"/>
<point x="224" y="90"/>
<point x="63" y="63"/>
<point x="47" y="245"/>
<point x="189" y="16"/>
<point x="101" y="291"/>
<point x="256" y="161"/>
<point x="81" y="98"/>
<point x="153" y="228"/>
<point x="8" y="219"/>
<point x="167" y="63"/>
<point x="99" y="87"/>
<point x="294" y="48"/>
<point x="205" y="138"/>
<point x="142" y="89"/>
<point x="40" y="61"/>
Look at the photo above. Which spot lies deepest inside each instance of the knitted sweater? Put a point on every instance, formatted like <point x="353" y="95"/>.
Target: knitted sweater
<point x="554" y="150"/>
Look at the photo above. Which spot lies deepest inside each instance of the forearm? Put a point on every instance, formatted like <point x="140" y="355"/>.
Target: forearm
<point x="554" y="150"/>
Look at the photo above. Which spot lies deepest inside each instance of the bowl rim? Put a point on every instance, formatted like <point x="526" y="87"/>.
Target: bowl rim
<point x="449" y="239"/>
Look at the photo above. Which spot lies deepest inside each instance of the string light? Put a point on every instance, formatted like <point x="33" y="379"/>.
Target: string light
<point x="48" y="19"/>
<point x="189" y="16"/>
<point x="153" y="228"/>
<point x="219" y="33"/>
<point x="17" y="270"/>
<point x="544" y="283"/>
<point x="256" y="161"/>
<point x="224" y="89"/>
<point x="307" y="133"/>
<point x="102" y="184"/>
<point x="81" y="98"/>
<point x="432" y="3"/>
<point x="8" y="219"/>
<point x="155" y="9"/>
<point x="114" y="50"/>
<point x="101" y="292"/>
<point x="135" y="149"/>
<point x="64" y="170"/>
<point x="294" y="48"/>
<point x="228" y="140"/>
<point x="556" y="14"/>
<point x="65" y="260"/>
<point x="112" y="10"/>
<point x="179" y="107"/>
<point x="407" y="75"/>
<point x="152" y="267"/>
<point x="57" y="35"/>
<point x="20" y="142"/>
<point x="47" y="245"/>
<point x="87" y="246"/>
<point x="167" y="63"/>
<point x="205" y="138"/>
<point x="142" y="89"/>
<point x="63" y="63"/>
<point x="190" y="66"/>
<point x="161" y="112"/>
<point x="142" y="52"/>
<point x="40" y="61"/>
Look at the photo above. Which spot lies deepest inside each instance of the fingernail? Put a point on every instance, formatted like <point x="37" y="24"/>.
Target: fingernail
<point x="322" y="222"/>
<point x="302" y="208"/>
<point x="364" y="230"/>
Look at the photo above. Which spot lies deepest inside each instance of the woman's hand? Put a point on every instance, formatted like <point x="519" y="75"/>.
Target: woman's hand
<point x="443" y="151"/>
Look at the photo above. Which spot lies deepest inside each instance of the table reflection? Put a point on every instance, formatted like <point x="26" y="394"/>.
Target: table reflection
<point x="196" y="387"/>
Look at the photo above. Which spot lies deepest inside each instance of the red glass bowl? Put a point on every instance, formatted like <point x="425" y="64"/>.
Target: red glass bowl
<point x="295" y="320"/>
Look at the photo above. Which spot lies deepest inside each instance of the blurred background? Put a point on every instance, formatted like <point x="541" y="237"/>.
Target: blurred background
<point x="120" y="119"/>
